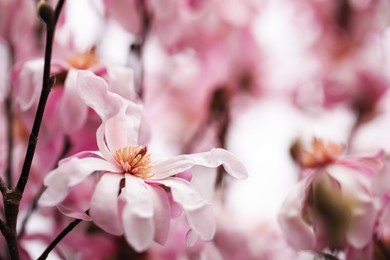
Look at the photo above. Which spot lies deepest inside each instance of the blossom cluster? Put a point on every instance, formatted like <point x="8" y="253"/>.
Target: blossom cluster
<point x="194" y="129"/>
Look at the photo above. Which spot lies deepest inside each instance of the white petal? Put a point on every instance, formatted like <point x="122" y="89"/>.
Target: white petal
<point x="72" y="213"/>
<point x="198" y="211"/>
<point x="364" y="209"/>
<point x="213" y="158"/>
<point x="162" y="212"/>
<point x="73" y="111"/>
<point x="299" y="234"/>
<point x="104" y="204"/>
<point x="137" y="215"/>
<point x="29" y="83"/>
<point x="68" y="174"/>
<point x="94" y="91"/>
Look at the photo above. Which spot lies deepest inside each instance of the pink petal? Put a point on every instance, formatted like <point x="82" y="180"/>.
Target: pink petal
<point x="122" y="117"/>
<point x="198" y="211"/>
<point x="361" y="227"/>
<point x="73" y="111"/>
<point x="191" y="238"/>
<point x="213" y="158"/>
<point x="121" y="131"/>
<point x="162" y="218"/>
<point x="298" y="233"/>
<point x="93" y="90"/>
<point x="101" y="143"/>
<point x="68" y="174"/>
<point x="125" y="11"/>
<point x="29" y="83"/>
<point x="121" y="81"/>
<point x="72" y="213"/>
<point x="137" y="215"/>
<point x="364" y="207"/>
<point x="4" y="64"/>
<point x="381" y="181"/>
<point x="104" y="204"/>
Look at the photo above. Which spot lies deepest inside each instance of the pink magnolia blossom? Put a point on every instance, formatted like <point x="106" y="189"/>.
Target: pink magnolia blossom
<point x="335" y="205"/>
<point x="135" y="190"/>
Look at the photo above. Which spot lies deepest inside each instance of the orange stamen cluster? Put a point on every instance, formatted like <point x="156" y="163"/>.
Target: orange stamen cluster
<point x="321" y="153"/>
<point x="134" y="160"/>
<point x="85" y="60"/>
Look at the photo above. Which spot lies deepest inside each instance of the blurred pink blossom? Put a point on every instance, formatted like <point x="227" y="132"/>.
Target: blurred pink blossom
<point x="335" y="205"/>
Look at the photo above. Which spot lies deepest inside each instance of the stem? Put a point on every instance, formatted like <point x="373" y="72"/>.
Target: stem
<point x="47" y="83"/>
<point x="10" y="239"/>
<point x="12" y="197"/>
<point x="58" y="239"/>
<point x="46" y="87"/>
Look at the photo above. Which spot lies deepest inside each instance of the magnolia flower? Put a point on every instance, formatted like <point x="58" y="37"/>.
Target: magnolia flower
<point x="335" y="205"/>
<point x="135" y="190"/>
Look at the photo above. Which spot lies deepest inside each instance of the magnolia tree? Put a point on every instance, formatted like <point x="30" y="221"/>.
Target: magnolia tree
<point x="124" y="124"/>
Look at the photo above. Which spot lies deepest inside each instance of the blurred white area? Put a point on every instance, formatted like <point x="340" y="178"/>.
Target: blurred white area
<point x="261" y="137"/>
<point x="284" y="42"/>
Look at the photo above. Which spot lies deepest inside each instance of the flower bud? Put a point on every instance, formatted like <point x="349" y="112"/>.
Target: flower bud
<point x="46" y="13"/>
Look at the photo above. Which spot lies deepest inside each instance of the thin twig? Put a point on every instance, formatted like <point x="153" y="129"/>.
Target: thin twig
<point x="46" y="87"/>
<point x="12" y="197"/>
<point x="58" y="239"/>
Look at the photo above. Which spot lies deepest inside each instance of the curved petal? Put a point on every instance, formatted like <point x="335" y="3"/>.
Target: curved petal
<point x="117" y="129"/>
<point x="72" y="213"/>
<point x="213" y="158"/>
<point x="137" y="215"/>
<point x="122" y="117"/>
<point x="364" y="208"/>
<point x="299" y="234"/>
<point x="93" y="90"/>
<point x="101" y="143"/>
<point x="162" y="218"/>
<point x="68" y="174"/>
<point x="29" y="83"/>
<point x="73" y="111"/>
<point x="4" y="63"/>
<point x="198" y="211"/>
<point x="104" y="204"/>
<point x="123" y="129"/>
<point x="191" y="238"/>
<point x="381" y="181"/>
<point x="121" y="81"/>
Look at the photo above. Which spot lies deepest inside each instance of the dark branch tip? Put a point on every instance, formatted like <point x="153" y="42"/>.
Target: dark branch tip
<point x="46" y="13"/>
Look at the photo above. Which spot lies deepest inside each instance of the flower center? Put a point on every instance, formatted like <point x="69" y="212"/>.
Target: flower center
<point x="134" y="160"/>
<point x="84" y="60"/>
<point x="321" y="153"/>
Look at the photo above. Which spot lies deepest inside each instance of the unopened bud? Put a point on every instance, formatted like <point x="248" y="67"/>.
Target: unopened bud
<point x="46" y="13"/>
